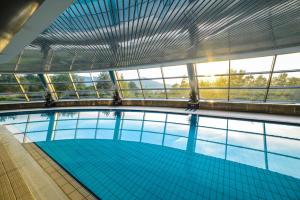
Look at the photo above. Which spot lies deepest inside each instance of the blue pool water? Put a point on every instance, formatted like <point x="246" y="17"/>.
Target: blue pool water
<point x="148" y="155"/>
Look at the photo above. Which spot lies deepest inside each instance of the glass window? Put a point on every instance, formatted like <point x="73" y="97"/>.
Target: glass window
<point x="250" y="80"/>
<point x="178" y="94"/>
<point x="132" y="94"/>
<point x="284" y="95"/>
<point x="155" y="94"/>
<point x="177" y="83"/>
<point x="261" y="64"/>
<point x="153" y="84"/>
<point x="150" y="73"/>
<point x="247" y="94"/>
<point x="212" y="68"/>
<point x="175" y="71"/>
<point x="288" y="79"/>
<point x="213" y="94"/>
<point x="213" y="82"/>
<point x="131" y="85"/>
<point x="100" y="76"/>
<point x="10" y="89"/>
<point x="127" y="75"/>
<point x="60" y="78"/>
<point x="287" y="62"/>
<point x="81" y="77"/>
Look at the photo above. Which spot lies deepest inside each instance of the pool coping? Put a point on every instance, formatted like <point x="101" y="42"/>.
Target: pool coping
<point x="209" y="113"/>
<point x="64" y="180"/>
<point x="32" y="174"/>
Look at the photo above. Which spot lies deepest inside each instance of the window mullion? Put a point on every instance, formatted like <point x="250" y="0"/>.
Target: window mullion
<point x="270" y="77"/>
<point x="21" y="87"/>
<point x="95" y="86"/>
<point x="138" y="72"/>
<point x="74" y="86"/>
<point x="229" y="77"/>
<point x="163" y="77"/>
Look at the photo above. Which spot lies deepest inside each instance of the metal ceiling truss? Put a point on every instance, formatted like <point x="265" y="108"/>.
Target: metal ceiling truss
<point x="107" y="34"/>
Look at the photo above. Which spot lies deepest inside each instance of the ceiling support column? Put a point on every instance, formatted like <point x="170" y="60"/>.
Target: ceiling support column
<point x="193" y="82"/>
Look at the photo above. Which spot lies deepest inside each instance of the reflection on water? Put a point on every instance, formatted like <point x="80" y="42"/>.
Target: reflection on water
<point x="270" y="146"/>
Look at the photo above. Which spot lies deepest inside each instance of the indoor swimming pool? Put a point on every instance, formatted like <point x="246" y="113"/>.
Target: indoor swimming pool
<point x="121" y="154"/>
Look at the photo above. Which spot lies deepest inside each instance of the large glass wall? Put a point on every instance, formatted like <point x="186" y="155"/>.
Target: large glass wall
<point x="21" y="87"/>
<point x="89" y="85"/>
<point x="262" y="79"/>
<point x="155" y="83"/>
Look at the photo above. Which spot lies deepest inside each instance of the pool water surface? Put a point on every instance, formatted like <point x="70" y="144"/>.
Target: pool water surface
<point x="150" y="155"/>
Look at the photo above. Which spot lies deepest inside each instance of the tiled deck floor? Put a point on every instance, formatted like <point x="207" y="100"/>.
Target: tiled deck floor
<point x="69" y="185"/>
<point x="22" y="173"/>
<point x="12" y="185"/>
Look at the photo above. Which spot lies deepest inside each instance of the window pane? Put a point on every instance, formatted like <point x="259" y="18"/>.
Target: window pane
<point x="81" y="77"/>
<point x="104" y="85"/>
<point x="85" y="86"/>
<point x="287" y="62"/>
<point x="150" y="73"/>
<point x="60" y="78"/>
<point x="100" y="76"/>
<point x="33" y="88"/>
<point x="12" y="97"/>
<point x="213" y="81"/>
<point x="217" y="94"/>
<point x="247" y="95"/>
<point x="63" y="87"/>
<point x="127" y="74"/>
<point x="175" y="71"/>
<point x="178" y="94"/>
<point x="105" y="94"/>
<point x="177" y="83"/>
<point x="286" y="79"/>
<point x="132" y="94"/>
<point x="154" y="94"/>
<point x="67" y="95"/>
<point x="36" y="96"/>
<point x="212" y="68"/>
<point x="7" y="78"/>
<point x="29" y="78"/>
<point x="9" y="88"/>
<point x="262" y="64"/>
<point x="251" y="80"/>
<point x="152" y="84"/>
<point x="87" y="94"/>
<point x="285" y="95"/>
<point x="130" y="85"/>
